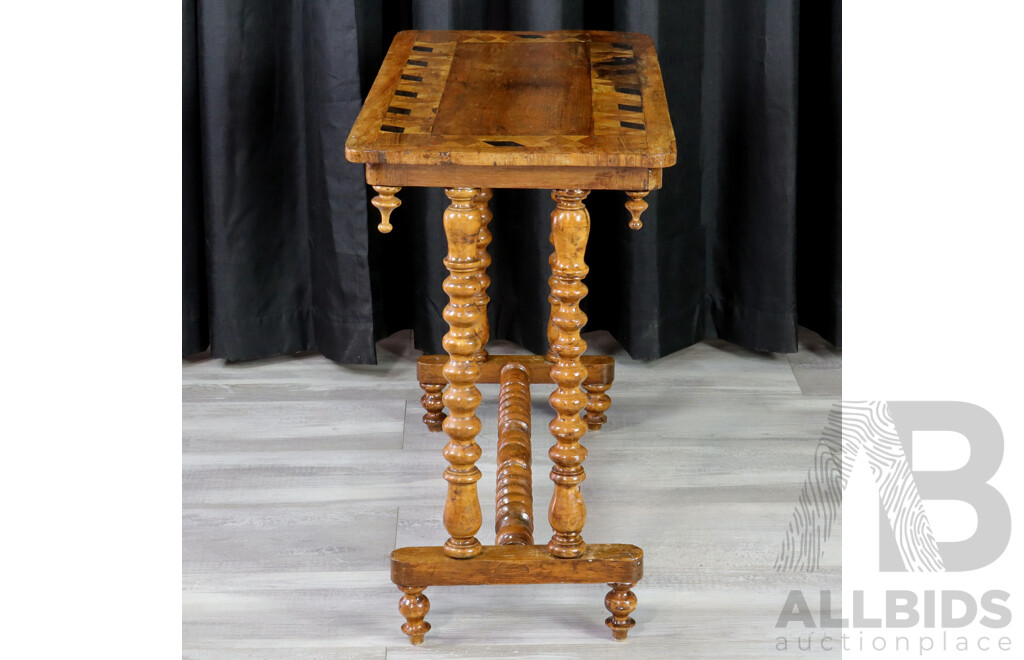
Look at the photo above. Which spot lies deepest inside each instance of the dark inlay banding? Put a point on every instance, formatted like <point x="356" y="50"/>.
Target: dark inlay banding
<point x="621" y="46"/>
<point x="402" y="92"/>
<point x="631" y="124"/>
<point x="392" y="129"/>
<point x="502" y="143"/>
<point x="399" y="111"/>
<point x="423" y="49"/>
<point x="406" y="76"/>
<point x="529" y="36"/>
<point x="416" y="62"/>
<point x="631" y="108"/>
<point x="628" y="90"/>
<point x="615" y="61"/>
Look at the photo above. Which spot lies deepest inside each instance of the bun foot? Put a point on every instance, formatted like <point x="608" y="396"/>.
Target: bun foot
<point x="620" y="601"/>
<point x="414" y="606"/>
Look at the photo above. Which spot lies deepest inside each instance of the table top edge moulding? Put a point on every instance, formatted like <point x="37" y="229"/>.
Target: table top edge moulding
<point x="591" y="100"/>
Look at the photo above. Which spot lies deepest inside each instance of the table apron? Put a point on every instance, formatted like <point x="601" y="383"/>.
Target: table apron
<point x="498" y="176"/>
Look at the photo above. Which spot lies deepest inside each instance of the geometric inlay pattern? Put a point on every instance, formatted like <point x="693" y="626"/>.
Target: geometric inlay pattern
<point x="615" y="92"/>
<point x="433" y="85"/>
<point x="414" y="106"/>
<point x="615" y="83"/>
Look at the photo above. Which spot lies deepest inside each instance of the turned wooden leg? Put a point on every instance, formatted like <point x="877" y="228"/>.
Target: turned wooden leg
<point x="434" y="405"/>
<point x="462" y="517"/>
<point x="597" y="403"/>
<point x="552" y="302"/>
<point x="482" y="241"/>
<point x="414" y="606"/>
<point x="570" y="227"/>
<point x="620" y="601"/>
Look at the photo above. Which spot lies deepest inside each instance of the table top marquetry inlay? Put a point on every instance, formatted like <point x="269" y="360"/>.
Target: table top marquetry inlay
<point x="535" y="99"/>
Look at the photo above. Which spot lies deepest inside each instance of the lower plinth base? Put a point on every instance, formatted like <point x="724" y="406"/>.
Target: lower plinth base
<point x="517" y="564"/>
<point x="619" y="565"/>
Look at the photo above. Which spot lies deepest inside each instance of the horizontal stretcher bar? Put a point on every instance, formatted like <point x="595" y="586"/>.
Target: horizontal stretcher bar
<point x="600" y="368"/>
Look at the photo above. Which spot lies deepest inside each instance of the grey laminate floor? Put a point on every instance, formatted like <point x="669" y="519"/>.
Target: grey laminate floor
<point x="300" y="476"/>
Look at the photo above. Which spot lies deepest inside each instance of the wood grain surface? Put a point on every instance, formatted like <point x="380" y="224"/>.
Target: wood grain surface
<point x="504" y="89"/>
<point x="600" y="368"/>
<point x="513" y="488"/>
<point x="462" y="224"/>
<point x="507" y="176"/>
<point x="517" y="564"/>
<point x="567" y="514"/>
<point x="534" y="99"/>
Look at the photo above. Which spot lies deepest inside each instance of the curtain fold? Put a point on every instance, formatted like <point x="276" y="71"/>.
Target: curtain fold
<point x="195" y="335"/>
<point x="280" y="250"/>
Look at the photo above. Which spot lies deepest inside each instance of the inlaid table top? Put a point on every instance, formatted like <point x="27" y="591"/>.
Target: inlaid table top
<point x="585" y="99"/>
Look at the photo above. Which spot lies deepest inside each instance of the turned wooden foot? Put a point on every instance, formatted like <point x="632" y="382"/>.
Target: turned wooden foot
<point x="620" y="601"/>
<point x="597" y="403"/>
<point x="433" y="403"/>
<point x="414" y="606"/>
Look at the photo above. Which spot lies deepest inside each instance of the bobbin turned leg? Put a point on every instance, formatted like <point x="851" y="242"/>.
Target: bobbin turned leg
<point x="620" y="601"/>
<point x="552" y="301"/>
<point x="550" y="356"/>
<point x="462" y="517"/>
<point x="597" y="403"/>
<point x="414" y="606"/>
<point x="570" y="228"/>
<point x="482" y="241"/>
<point x="433" y="403"/>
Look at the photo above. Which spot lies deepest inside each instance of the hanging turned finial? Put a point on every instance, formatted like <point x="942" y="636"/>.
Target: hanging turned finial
<point x="386" y="202"/>
<point x="636" y="205"/>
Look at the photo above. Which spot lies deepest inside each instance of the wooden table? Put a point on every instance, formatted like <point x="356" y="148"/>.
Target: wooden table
<point x="469" y="111"/>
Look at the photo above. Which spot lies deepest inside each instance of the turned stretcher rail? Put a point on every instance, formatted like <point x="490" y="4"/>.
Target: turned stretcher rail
<point x="513" y="494"/>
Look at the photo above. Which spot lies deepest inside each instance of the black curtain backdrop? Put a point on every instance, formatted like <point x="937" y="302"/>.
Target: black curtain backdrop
<point x="280" y="254"/>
